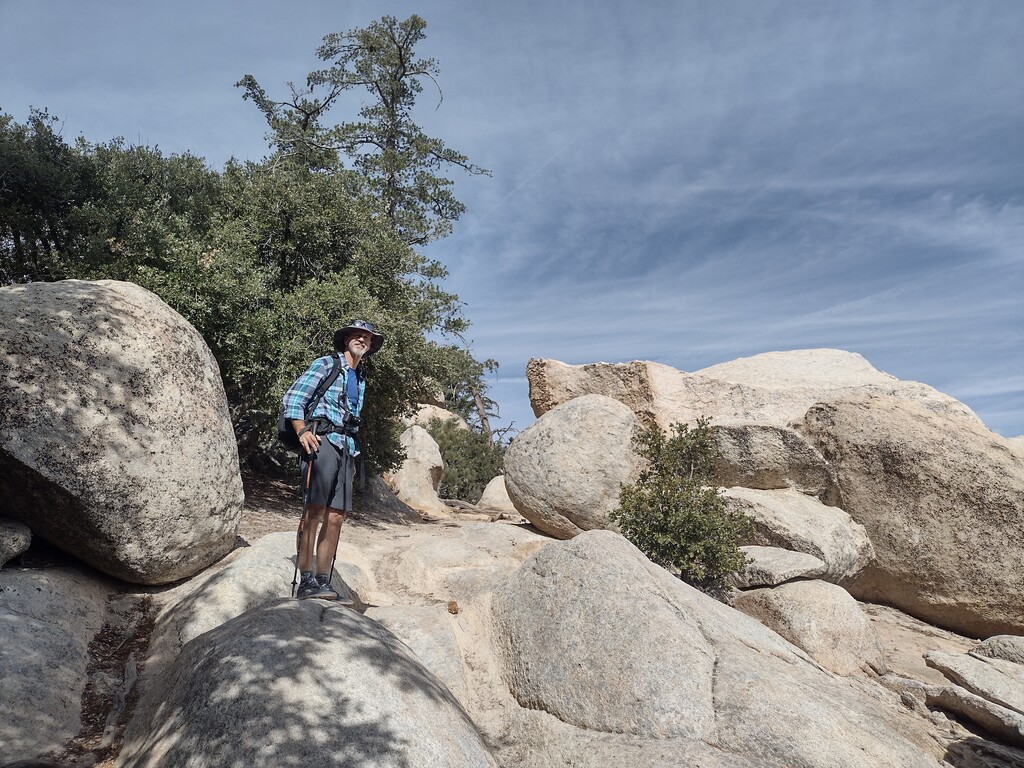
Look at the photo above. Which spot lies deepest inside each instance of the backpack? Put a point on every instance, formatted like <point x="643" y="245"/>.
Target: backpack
<point x="285" y="431"/>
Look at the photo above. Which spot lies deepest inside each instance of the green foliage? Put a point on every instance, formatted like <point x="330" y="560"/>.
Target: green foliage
<point x="267" y="259"/>
<point x="675" y="515"/>
<point x="43" y="186"/>
<point x="264" y="259"/>
<point x="471" y="460"/>
<point x="392" y="154"/>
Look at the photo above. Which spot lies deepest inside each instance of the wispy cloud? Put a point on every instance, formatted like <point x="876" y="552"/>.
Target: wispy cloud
<point x="672" y="180"/>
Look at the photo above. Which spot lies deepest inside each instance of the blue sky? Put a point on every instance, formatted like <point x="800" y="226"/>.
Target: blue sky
<point x="685" y="182"/>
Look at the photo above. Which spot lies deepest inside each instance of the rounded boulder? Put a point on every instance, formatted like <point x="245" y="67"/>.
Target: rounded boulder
<point x="301" y="682"/>
<point x="564" y="471"/>
<point x="115" y="440"/>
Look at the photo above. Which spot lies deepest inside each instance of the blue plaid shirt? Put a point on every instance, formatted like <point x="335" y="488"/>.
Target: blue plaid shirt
<point x="331" y="405"/>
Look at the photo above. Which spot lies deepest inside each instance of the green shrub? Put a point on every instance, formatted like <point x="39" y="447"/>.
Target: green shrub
<point x="674" y="513"/>
<point x="470" y="460"/>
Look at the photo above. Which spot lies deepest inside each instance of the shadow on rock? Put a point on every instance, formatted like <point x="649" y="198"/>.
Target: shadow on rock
<point x="295" y="682"/>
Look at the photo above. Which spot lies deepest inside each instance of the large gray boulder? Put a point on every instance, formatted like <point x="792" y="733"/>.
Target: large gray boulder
<point x="774" y="388"/>
<point x="300" y="682"/>
<point x="563" y="472"/>
<point x="115" y="439"/>
<point x="47" y="620"/>
<point x="942" y="500"/>
<point x="594" y="634"/>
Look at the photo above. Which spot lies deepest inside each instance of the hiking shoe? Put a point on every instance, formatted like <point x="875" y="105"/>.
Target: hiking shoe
<point x="325" y="582"/>
<point x="311" y="587"/>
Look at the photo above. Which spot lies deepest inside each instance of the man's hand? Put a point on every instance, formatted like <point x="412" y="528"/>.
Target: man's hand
<point x="309" y="440"/>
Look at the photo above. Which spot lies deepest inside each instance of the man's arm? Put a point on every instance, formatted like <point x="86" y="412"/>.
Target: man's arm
<point x="297" y="398"/>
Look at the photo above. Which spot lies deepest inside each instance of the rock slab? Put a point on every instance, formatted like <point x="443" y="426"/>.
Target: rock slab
<point x="942" y="501"/>
<point x="592" y="633"/>
<point x="47" y="620"/>
<point x="999" y="681"/>
<point x="1004" y="724"/>
<point x="301" y="683"/>
<point x="771" y="566"/>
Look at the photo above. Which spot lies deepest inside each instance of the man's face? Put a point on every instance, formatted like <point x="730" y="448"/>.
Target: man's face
<point x="358" y="343"/>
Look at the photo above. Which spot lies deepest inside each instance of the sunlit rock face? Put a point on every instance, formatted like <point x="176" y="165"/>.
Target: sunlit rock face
<point x="942" y="501"/>
<point x="593" y="633"/>
<point x="416" y="481"/>
<point x="774" y="388"/>
<point x="563" y="472"/>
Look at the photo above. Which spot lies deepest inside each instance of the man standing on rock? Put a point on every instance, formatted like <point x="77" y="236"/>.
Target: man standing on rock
<point x="328" y="465"/>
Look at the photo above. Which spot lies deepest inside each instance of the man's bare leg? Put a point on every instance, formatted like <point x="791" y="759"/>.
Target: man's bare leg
<point x="327" y="542"/>
<point x="307" y="542"/>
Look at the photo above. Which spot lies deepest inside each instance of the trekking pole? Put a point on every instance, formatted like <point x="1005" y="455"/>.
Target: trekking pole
<point x="302" y="520"/>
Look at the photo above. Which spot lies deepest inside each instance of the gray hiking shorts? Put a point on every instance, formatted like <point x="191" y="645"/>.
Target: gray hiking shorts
<point x="330" y="481"/>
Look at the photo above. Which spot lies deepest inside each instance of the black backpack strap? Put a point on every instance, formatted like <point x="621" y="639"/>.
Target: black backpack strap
<point x="323" y="386"/>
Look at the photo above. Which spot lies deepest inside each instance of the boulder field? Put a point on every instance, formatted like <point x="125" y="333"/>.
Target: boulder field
<point x="545" y="644"/>
<point x="483" y="644"/>
<point x="899" y="489"/>
<point x="773" y="388"/>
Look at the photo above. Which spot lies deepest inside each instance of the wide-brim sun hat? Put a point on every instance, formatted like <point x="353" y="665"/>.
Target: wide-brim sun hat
<point x="377" y="338"/>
